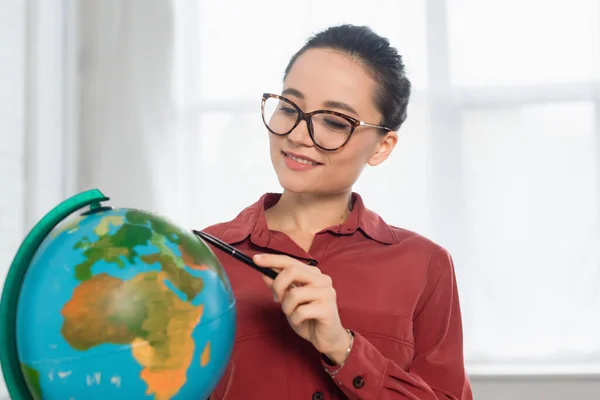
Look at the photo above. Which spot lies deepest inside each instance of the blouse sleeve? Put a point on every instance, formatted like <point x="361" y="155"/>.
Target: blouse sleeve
<point x="437" y="370"/>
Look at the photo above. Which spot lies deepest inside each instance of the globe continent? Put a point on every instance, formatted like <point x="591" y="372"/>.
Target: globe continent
<point x="123" y="303"/>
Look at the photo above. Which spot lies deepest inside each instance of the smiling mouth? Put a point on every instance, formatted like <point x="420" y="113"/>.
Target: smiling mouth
<point x="300" y="160"/>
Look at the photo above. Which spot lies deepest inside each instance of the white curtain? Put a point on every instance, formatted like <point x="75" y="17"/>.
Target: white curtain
<point x="34" y="159"/>
<point x="86" y="98"/>
<point x="12" y="136"/>
<point x="12" y="129"/>
<point x="129" y="138"/>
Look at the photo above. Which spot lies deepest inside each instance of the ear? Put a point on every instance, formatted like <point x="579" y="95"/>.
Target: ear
<point x="384" y="149"/>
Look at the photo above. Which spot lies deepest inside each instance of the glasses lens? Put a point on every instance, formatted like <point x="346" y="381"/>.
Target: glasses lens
<point x="279" y="115"/>
<point x="330" y="131"/>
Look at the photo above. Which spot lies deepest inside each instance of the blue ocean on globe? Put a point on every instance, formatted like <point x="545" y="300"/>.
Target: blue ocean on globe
<point x="123" y="304"/>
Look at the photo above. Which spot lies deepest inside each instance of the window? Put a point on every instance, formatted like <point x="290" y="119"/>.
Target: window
<point x="531" y="192"/>
<point x="498" y="160"/>
<point x="499" y="43"/>
<point x="256" y="50"/>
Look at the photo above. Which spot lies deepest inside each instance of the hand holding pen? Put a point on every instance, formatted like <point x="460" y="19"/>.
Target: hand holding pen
<point x="307" y="298"/>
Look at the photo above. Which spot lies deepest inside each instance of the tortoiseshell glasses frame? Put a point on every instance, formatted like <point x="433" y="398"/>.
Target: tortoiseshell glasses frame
<point x="307" y="117"/>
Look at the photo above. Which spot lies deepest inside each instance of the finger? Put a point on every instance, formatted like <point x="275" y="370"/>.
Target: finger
<point x="293" y="298"/>
<point x="267" y="280"/>
<point x="297" y="276"/>
<point x="306" y="312"/>
<point x="280" y="262"/>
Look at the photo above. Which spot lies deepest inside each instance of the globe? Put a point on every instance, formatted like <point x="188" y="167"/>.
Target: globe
<point x="118" y="303"/>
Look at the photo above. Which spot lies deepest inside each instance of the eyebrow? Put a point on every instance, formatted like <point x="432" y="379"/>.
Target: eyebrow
<point x="293" y="92"/>
<point x="328" y="104"/>
<point x="340" y="105"/>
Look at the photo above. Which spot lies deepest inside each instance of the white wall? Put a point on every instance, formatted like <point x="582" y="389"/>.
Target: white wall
<point x="536" y="388"/>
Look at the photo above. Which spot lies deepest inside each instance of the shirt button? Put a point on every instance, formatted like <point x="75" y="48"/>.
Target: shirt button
<point x="358" y="382"/>
<point x="313" y="263"/>
<point x="318" y="396"/>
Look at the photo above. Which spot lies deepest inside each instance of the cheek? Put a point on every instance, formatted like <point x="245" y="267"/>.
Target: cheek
<point x="346" y="167"/>
<point x="355" y="154"/>
<point x="274" y="143"/>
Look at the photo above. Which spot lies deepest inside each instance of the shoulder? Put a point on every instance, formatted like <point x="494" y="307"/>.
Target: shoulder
<point x="406" y="237"/>
<point x="430" y="262"/>
<point x="431" y="258"/>
<point x="418" y="242"/>
<point x="436" y="264"/>
<point x="404" y="240"/>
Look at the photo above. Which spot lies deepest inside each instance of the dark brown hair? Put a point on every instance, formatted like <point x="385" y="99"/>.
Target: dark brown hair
<point x="379" y="57"/>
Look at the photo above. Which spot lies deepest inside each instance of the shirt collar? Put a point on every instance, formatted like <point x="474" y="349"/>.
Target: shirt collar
<point x="251" y="222"/>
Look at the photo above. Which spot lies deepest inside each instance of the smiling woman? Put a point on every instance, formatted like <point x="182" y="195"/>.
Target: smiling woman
<point x="360" y="309"/>
<point x="322" y="76"/>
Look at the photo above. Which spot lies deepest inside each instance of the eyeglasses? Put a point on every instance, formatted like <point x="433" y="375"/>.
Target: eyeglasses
<point x="329" y="130"/>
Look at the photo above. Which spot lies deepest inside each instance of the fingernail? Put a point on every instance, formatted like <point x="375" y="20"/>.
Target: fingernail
<point x="275" y="298"/>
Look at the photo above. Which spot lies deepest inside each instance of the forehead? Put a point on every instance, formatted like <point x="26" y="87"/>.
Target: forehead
<point x="326" y="75"/>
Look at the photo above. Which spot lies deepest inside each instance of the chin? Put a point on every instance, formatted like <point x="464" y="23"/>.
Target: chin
<point x="317" y="186"/>
<point x="296" y="184"/>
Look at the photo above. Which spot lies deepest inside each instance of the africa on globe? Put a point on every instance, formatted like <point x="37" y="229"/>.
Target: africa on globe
<point x="114" y="303"/>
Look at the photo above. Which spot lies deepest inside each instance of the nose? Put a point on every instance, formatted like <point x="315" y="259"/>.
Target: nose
<point x="300" y="135"/>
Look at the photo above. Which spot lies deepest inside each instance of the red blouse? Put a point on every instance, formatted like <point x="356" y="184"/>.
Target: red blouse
<point x="396" y="291"/>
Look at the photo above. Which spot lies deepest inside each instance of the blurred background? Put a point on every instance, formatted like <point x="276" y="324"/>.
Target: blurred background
<point x="157" y="103"/>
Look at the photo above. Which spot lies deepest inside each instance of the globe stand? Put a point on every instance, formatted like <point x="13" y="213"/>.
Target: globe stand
<point x="9" y="357"/>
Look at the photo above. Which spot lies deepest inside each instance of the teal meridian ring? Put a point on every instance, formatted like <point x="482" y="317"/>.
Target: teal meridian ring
<point x="9" y="359"/>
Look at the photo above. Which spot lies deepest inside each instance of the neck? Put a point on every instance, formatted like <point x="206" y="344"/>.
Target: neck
<point x="309" y="214"/>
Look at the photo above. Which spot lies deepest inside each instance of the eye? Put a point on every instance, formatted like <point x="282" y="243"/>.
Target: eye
<point x="287" y="109"/>
<point x="337" y="124"/>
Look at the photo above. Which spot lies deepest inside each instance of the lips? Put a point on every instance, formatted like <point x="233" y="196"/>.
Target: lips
<point x="300" y="158"/>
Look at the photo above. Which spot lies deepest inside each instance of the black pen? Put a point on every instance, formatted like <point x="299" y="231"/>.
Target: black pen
<point x="235" y="253"/>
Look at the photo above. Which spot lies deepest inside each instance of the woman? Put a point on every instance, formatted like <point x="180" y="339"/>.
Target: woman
<point x="360" y="309"/>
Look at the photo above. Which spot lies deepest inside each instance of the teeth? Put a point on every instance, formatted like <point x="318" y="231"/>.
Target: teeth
<point x="301" y="160"/>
